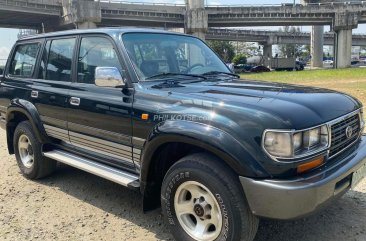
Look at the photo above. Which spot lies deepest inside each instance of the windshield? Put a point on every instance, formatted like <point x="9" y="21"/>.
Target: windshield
<point x="154" y="54"/>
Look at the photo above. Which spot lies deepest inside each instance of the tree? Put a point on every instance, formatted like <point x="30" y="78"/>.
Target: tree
<point x="240" y="59"/>
<point x="224" y="49"/>
<point x="248" y="49"/>
<point x="291" y="50"/>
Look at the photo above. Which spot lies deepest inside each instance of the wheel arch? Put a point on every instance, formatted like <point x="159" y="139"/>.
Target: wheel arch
<point x="171" y="141"/>
<point x="22" y="110"/>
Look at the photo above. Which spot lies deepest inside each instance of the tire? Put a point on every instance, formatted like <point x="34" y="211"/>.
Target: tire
<point x="31" y="162"/>
<point x="202" y="175"/>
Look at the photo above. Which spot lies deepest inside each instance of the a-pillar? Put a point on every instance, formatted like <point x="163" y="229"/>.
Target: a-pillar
<point x="343" y="48"/>
<point x="317" y="44"/>
<point x="196" y="18"/>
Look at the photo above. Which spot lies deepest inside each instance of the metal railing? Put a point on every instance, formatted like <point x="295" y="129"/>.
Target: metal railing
<point x="236" y="5"/>
<point x="290" y="4"/>
<point x="143" y="3"/>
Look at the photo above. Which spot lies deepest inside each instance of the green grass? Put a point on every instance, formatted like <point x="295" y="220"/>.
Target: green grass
<point x="310" y="75"/>
<point x="351" y="81"/>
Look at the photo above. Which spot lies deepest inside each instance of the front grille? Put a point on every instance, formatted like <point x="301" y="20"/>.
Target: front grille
<point x="340" y="141"/>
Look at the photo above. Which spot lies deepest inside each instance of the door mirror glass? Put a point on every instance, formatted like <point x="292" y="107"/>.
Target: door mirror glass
<point x="109" y="77"/>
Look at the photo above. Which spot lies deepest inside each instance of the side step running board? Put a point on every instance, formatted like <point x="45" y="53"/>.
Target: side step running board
<point x="115" y="175"/>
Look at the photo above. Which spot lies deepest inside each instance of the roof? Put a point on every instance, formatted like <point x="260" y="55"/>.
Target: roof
<point x="110" y="31"/>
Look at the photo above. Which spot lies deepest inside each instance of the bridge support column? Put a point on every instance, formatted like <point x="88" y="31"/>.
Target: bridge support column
<point x="267" y="54"/>
<point x="196" y="18"/>
<point x="343" y="48"/>
<point x="82" y="14"/>
<point x="344" y="22"/>
<point x="317" y="44"/>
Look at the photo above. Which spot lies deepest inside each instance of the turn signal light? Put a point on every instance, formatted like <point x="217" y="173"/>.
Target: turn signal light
<point x="145" y="116"/>
<point x="310" y="165"/>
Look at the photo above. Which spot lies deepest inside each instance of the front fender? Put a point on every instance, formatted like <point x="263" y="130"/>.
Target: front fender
<point x="30" y="111"/>
<point x="212" y="139"/>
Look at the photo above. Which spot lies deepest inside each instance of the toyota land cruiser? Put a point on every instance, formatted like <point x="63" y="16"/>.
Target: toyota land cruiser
<point x="159" y="112"/>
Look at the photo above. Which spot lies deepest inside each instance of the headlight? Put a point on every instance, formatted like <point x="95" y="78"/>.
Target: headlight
<point x="295" y="144"/>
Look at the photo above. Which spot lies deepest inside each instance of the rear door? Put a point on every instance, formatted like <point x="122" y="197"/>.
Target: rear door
<point x="100" y="117"/>
<point x="52" y="85"/>
<point x="19" y="75"/>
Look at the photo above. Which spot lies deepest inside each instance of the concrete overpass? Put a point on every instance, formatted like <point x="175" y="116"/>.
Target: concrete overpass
<point x="275" y="37"/>
<point x="195" y="18"/>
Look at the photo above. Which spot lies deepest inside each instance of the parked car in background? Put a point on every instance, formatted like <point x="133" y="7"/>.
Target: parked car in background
<point x="260" y="69"/>
<point x="300" y="66"/>
<point x="242" y="68"/>
<point x="328" y="63"/>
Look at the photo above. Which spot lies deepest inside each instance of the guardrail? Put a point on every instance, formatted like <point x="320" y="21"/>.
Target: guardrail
<point x="32" y="4"/>
<point x="290" y="4"/>
<point x="238" y="5"/>
<point x="143" y="3"/>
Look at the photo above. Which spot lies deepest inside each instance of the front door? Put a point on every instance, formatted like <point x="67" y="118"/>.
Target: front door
<point x="100" y="117"/>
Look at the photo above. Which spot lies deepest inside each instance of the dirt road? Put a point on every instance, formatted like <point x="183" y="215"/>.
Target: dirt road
<point x="73" y="205"/>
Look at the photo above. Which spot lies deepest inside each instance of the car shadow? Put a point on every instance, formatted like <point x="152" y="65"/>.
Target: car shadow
<point x="343" y="220"/>
<point x="112" y="198"/>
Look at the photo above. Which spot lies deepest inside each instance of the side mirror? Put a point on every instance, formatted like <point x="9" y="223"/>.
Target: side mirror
<point x="109" y="77"/>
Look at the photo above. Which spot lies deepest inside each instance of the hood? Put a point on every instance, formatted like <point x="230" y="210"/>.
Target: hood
<point x="298" y="106"/>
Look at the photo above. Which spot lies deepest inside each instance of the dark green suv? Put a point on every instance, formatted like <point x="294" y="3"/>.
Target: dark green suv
<point x="159" y="112"/>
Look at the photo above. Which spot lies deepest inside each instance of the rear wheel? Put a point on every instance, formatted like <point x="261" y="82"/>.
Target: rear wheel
<point x="28" y="153"/>
<point x="202" y="200"/>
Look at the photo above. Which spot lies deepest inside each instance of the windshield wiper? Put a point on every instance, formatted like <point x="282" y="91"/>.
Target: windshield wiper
<point x="219" y="72"/>
<point x="174" y="74"/>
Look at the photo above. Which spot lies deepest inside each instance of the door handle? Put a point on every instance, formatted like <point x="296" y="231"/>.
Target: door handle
<point x="75" y="101"/>
<point x="34" y="94"/>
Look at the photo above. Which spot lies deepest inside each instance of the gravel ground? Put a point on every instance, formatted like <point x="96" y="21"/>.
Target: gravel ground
<point x="73" y="205"/>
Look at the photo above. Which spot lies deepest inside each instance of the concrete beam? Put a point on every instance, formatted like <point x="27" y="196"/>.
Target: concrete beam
<point x="317" y="44"/>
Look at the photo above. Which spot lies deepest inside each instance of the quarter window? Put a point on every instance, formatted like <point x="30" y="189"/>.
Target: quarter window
<point x="24" y="59"/>
<point x="95" y="52"/>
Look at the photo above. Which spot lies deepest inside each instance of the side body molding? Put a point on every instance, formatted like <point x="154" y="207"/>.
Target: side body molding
<point x="205" y="136"/>
<point x="30" y="111"/>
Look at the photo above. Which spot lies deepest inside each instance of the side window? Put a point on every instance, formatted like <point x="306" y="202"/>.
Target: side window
<point x="95" y="52"/>
<point x="57" y="60"/>
<point x="24" y="59"/>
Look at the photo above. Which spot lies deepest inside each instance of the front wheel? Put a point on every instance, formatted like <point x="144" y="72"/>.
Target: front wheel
<point x="202" y="200"/>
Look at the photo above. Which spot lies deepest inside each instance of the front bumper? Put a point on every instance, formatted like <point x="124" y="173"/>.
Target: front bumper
<point x="295" y="198"/>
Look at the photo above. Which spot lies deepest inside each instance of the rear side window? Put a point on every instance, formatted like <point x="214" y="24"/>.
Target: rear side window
<point x="57" y="60"/>
<point x="24" y="60"/>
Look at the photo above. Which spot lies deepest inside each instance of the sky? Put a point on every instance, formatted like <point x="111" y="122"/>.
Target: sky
<point x="9" y="36"/>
